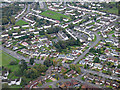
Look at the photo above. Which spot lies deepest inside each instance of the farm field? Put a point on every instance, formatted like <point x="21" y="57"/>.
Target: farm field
<point x="54" y="15"/>
<point x="20" y="23"/>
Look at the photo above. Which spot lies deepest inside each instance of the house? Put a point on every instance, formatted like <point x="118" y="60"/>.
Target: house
<point x="62" y="35"/>
<point x="40" y="44"/>
<point x="18" y="81"/>
<point x="108" y="82"/>
<point x="70" y="57"/>
<point x="5" y="35"/>
<point x="43" y="38"/>
<point x="98" y="66"/>
<point x="102" y="80"/>
<point x="24" y="43"/>
<point x="16" y="27"/>
<point x="115" y="84"/>
<point x="24" y="26"/>
<point x="15" y="48"/>
<point x="64" y="25"/>
<point x="61" y="56"/>
<point x="49" y="26"/>
<point x="103" y="57"/>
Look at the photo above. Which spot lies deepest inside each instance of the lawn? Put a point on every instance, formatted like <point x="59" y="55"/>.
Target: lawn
<point x="6" y="58"/>
<point x="53" y="15"/>
<point x="49" y="80"/>
<point x="98" y="32"/>
<point x="111" y="32"/>
<point x="95" y="38"/>
<point x="20" y="23"/>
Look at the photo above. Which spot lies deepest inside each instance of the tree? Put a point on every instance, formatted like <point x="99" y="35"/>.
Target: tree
<point x="24" y="81"/>
<point x="5" y="86"/>
<point x="48" y="62"/>
<point x="61" y="18"/>
<point x="13" y="63"/>
<point x="32" y="61"/>
<point x="23" y="65"/>
<point x="12" y="20"/>
<point x="4" y="21"/>
<point x="96" y="60"/>
<point x="76" y="68"/>
<point x="71" y="26"/>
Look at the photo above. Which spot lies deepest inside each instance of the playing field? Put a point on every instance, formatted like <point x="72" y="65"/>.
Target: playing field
<point x="54" y="15"/>
<point x="20" y="23"/>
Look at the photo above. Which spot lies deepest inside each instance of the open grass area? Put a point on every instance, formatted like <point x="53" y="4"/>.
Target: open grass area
<point x="94" y="38"/>
<point x="112" y="10"/>
<point x="53" y="15"/>
<point x="6" y="58"/>
<point x="20" y="23"/>
<point x="49" y="80"/>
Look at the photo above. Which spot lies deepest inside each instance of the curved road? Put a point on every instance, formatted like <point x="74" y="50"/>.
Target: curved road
<point x="84" y="53"/>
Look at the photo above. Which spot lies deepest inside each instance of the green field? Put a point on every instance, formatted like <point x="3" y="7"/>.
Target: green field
<point x="20" y="23"/>
<point x="6" y="58"/>
<point x="53" y="15"/>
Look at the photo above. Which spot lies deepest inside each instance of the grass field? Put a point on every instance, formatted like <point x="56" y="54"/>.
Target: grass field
<point x="20" y="23"/>
<point x="54" y="15"/>
<point x="6" y="58"/>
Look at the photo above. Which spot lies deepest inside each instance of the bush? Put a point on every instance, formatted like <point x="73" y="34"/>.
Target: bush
<point x="13" y="63"/>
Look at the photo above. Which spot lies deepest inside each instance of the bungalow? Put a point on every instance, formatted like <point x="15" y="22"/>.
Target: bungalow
<point x="43" y="38"/>
<point x="40" y="44"/>
<point x="108" y="82"/>
<point x="28" y="20"/>
<point x="24" y="26"/>
<point x="117" y="71"/>
<point x="36" y="54"/>
<point x="5" y="35"/>
<point x="15" y="48"/>
<point x="24" y="43"/>
<point x="98" y="66"/>
<point x="77" y="21"/>
<point x="49" y="26"/>
<point x="23" y="31"/>
<point x="14" y="33"/>
<point x="70" y="57"/>
<point x="18" y="81"/>
<point x="65" y="19"/>
<point x="36" y="32"/>
<point x="64" y="25"/>
<point x="37" y="11"/>
<point x="16" y="27"/>
<point x="115" y="84"/>
<point x="61" y="56"/>
<point x="103" y="57"/>
<point x="31" y="29"/>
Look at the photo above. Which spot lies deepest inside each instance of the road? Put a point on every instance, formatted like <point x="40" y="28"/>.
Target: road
<point x="98" y="38"/>
<point x="28" y="10"/>
<point x="18" y="56"/>
<point x="100" y="74"/>
<point x="76" y="78"/>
